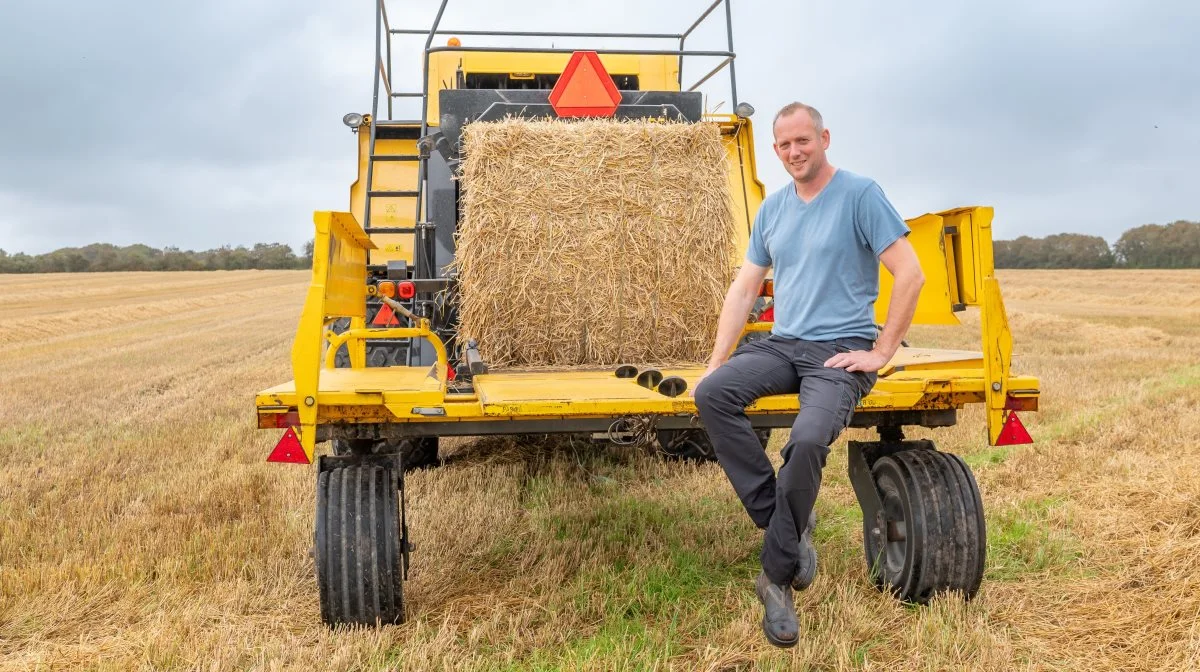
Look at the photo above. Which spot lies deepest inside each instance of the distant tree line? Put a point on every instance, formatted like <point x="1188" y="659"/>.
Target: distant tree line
<point x="105" y="257"/>
<point x="1175" y="245"/>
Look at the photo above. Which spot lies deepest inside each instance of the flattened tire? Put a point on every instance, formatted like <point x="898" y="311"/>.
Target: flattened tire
<point x="359" y="562"/>
<point x="936" y="538"/>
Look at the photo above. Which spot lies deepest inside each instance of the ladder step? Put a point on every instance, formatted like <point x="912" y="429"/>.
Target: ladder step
<point x="393" y="194"/>
<point x="395" y="157"/>
<point x="389" y="229"/>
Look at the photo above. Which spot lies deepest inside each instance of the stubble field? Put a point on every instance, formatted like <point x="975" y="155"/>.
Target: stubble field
<point x="140" y="527"/>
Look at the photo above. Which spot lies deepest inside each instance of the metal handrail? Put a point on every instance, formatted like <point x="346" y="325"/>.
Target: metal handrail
<point x="387" y="84"/>
<point x="547" y="50"/>
<point x="729" y="55"/>
<point x="387" y="27"/>
<point x="527" y="33"/>
<point x="728" y="61"/>
<point x="697" y="22"/>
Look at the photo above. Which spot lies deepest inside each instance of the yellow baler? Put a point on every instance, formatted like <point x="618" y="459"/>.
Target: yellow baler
<point x="378" y="371"/>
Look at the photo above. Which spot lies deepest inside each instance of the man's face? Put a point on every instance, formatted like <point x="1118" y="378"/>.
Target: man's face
<point x="799" y="146"/>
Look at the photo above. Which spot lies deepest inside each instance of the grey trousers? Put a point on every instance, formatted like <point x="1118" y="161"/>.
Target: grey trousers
<point x="775" y="365"/>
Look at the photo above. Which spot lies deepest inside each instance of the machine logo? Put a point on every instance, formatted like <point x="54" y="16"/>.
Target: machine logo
<point x="585" y="89"/>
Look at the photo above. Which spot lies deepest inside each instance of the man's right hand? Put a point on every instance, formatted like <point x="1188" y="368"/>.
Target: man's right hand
<point x="709" y="370"/>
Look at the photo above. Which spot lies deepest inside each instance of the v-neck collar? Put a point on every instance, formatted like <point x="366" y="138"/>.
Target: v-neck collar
<point x="836" y="172"/>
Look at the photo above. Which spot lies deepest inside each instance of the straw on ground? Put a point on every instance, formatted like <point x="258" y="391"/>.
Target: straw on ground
<point x="141" y="529"/>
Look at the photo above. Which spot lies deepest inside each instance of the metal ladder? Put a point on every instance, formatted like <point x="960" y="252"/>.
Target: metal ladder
<point x="383" y="74"/>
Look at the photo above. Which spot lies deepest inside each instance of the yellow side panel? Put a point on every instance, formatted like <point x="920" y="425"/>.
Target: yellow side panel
<point x="972" y="254"/>
<point x="346" y="285"/>
<point x="745" y="188"/>
<point x="388" y="176"/>
<point x="934" y="305"/>
<point x="338" y="289"/>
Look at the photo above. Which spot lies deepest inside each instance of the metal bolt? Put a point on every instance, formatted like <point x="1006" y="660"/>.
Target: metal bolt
<point x="309" y="401"/>
<point x="995" y="387"/>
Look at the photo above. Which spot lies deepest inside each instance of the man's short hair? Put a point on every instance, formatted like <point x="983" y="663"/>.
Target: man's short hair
<point x="792" y="108"/>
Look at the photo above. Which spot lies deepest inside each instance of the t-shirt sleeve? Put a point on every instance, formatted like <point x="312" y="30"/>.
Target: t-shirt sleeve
<point x="879" y="225"/>
<point x="756" y="251"/>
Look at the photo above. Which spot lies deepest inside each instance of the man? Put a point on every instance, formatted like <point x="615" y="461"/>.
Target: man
<point x="825" y="234"/>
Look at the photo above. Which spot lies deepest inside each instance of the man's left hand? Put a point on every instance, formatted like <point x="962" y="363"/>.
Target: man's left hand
<point x="858" y="360"/>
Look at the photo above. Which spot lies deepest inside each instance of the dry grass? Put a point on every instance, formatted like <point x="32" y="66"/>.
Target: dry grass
<point x="537" y="280"/>
<point x="141" y="529"/>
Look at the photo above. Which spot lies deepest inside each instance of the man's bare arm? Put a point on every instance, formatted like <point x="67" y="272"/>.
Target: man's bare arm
<point x="738" y="301"/>
<point x="901" y="261"/>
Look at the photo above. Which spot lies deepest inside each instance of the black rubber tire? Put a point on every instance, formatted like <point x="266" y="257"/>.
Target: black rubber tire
<point x="379" y="352"/>
<point x="694" y="445"/>
<point x="360" y="567"/>
<point x="416" y="453"/>
<point x="931" y="498"/>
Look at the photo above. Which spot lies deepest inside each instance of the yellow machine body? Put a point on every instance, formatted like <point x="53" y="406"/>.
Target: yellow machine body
<point x="955" y="249"/>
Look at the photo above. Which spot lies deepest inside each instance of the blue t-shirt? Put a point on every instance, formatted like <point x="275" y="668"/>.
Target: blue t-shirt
<point x="826" y="256"/>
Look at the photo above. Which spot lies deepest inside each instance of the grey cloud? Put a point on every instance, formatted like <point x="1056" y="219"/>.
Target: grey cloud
<point x="202" y="124"/>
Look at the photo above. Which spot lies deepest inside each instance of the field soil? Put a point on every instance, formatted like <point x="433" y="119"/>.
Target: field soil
<point x="141" y="528"/>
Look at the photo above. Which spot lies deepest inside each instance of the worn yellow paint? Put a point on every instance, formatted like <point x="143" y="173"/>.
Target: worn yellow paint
<point x="957" y="380"/>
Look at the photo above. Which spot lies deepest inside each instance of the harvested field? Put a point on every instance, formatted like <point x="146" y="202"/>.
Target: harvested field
<point x="140" y="527"/>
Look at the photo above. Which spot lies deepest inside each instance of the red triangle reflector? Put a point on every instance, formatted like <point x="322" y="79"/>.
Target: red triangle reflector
<point x="1014" y="433"/>
<point x="289" y="449"/>
<point x="585" y="88"/>
<point x="385" y="317"/>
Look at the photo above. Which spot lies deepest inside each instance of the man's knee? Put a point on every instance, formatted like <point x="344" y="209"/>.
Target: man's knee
<point x="804" y="450"/>
<point x="810" y="434"/>
<point x="710" y="396"/>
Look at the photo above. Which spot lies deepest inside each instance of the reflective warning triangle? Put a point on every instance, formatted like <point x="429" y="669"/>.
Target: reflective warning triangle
<point x="385" y="317"/>
<point x="1013" y="433"/>
<point x="288" y="449"/>
<point x="585" y="89"/>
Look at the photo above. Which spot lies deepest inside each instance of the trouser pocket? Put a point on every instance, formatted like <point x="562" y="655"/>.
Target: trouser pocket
<point x="858" y="385"/>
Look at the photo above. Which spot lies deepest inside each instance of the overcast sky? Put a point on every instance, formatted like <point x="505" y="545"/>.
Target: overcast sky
<point x="199" y="124"/>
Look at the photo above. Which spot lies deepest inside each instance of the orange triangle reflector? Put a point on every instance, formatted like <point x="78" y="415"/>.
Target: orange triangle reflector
<point x="289" y="449"/>
<point x="385" y="317"/>
<point x="1013" y="433"/>
<point x="585" y="88"/>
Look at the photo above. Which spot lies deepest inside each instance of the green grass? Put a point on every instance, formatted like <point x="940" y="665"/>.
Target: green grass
<point x="1021" y="543"/>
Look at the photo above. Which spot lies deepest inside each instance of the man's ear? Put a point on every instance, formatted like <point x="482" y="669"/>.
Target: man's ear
<point x="825" y="138"/>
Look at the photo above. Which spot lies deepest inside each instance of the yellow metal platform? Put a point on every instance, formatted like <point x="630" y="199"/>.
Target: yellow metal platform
<point x="915" y="379"/>
<point x="918" y="384"/>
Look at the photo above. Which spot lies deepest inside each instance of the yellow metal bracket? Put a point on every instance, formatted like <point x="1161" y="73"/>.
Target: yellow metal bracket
<point x="422" y="330"/>
<point x="338" y="289"/>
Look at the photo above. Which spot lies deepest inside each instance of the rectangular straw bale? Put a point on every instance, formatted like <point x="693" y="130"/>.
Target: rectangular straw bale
<point x="593" y="242"/>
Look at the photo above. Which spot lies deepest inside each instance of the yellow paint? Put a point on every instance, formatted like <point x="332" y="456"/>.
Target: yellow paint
<point x="597" y="393"/>
<point x="745" y="189"/>
<point x="338" y="289"/>
<point x="390" y="211"/>
<point x="934" y="304"/>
